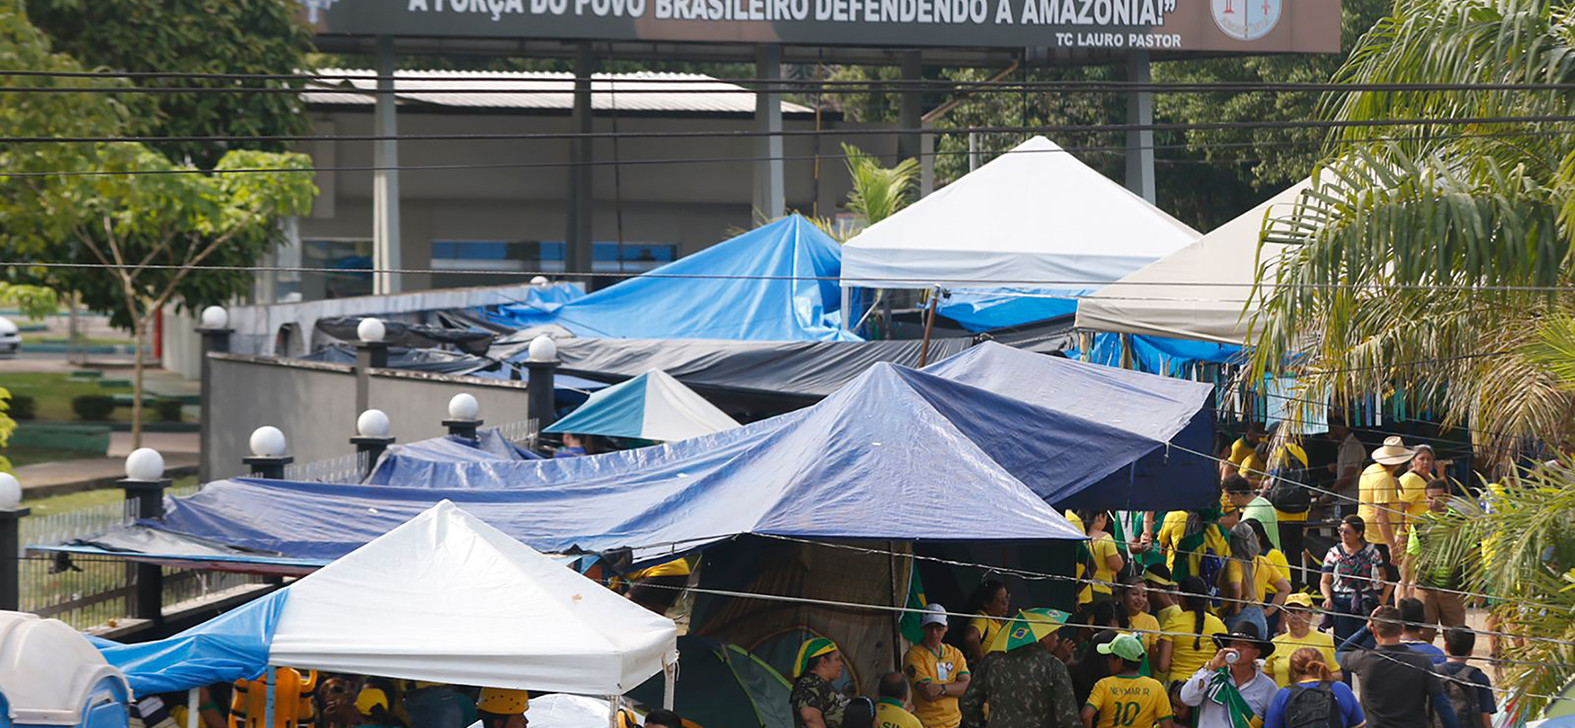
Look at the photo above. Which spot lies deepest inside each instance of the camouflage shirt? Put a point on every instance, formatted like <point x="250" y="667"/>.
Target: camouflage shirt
<point x="1024" y="688"/>
<point x="812" y="691"/>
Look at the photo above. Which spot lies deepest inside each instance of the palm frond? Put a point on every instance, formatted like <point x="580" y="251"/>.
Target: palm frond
<point x="878" y="191"/>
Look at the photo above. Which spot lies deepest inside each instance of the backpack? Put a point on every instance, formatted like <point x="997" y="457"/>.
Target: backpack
<point x="1461" y="687"/>
<point x="1288" y="496"/>
<point x="1313" y="707"/>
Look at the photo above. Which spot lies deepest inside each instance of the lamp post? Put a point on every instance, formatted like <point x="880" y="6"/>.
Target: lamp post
<point x="541" y="397"/>
<point x="464" y="416"/>
<point x="214" y="328"/>
<point x="145" y="484"/>
<point x="268" y="459"/>
<point x="372" y="438"/>
<point x="11" y="514"/>
<point x="371" y="353"/>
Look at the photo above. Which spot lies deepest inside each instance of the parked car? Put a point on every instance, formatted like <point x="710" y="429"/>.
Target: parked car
<point x="10" y="338"/>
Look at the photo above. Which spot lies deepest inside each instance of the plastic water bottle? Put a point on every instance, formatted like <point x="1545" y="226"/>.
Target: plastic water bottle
<point x="1231" y="657"/>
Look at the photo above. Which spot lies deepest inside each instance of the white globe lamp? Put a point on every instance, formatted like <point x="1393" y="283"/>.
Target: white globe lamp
<point x="540" y="281"/>
<point x="145" y="464"/>
<point x="372" y="423"/>
<point x="267" y="442"/>
<point x="371" y="330"/>
<point x="215" y="317"/>
<point x="10" y="492"/>
<point x="543" y="348"/>
<point x="464" y="407"/>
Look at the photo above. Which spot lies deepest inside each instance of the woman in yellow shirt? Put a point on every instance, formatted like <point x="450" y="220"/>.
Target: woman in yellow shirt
<point x="1107" y="561"/>
<point x="1282" y="567"/>
<point x="1247" y="580"/>
<point x="1413" y="500"/>
<point x="1187" y="643"/>
<point x="1299" y="633"/>
<point x="991" y="603"/>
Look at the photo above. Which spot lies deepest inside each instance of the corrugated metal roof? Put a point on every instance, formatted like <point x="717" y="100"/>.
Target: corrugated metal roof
<point x="673" y="93"/>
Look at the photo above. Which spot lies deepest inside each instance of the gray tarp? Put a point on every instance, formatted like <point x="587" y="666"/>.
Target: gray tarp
<point x="806" y="369"/>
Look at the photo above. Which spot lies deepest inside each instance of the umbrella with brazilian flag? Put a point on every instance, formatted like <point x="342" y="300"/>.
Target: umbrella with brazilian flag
<point x="1027" y="628"/>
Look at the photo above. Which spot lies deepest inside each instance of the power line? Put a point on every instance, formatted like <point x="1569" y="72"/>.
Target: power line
<point x="751" y="133"/>
<point x="915" y="282"/>
<point x="925" y="84"/>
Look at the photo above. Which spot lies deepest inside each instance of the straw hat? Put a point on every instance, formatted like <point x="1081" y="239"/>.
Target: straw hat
<point x="1393" y="452"/>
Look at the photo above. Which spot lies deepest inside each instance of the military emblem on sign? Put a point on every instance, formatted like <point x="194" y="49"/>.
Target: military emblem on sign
<point x="1246" y="19"/>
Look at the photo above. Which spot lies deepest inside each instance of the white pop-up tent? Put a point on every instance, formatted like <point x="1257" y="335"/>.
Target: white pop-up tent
<point x="1034" y="217"/>
<point x="444" y="597"/>
<point x="1200" y="292"/>
<point x="447" y="598"/>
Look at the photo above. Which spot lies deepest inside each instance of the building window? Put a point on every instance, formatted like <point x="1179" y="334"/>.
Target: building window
<point x="506" y="262"/>
<point x="353" y="257"/>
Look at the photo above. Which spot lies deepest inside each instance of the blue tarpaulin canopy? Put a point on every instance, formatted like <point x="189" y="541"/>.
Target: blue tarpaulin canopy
<point x="872" y="461"/>
<point x="230" y="647"/>
<point x="773" y="283"/>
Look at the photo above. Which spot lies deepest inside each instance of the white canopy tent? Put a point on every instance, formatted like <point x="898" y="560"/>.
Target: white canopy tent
<point x="1201" y="292"/>
<point x="447" y="598"/>
<point x="1034" y="217"/>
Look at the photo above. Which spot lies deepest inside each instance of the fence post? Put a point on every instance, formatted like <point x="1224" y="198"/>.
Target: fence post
<point x="145" y="484"/>
<point x="11" y="514"/>
<point x="464" y="416"/>
<point x="371" y="439"/>
<point x="268" y="459"/>
<point x="541" y="394"/>
<point x="215" y="332"/>
<point x="371" y="352"/>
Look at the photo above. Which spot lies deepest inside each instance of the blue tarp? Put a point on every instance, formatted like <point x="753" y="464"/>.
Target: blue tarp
<point x="775" y="283"/>
<point x="1169" y="417"/>
<point x="1160" y="355"/>
<point x="488" y="445"/>
<point x="230" y="647"/>
<point x="880" y="459"/>
<point x="985" y="310"/>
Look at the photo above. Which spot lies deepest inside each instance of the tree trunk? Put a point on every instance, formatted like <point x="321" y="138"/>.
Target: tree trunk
<point x="140" y="328"/>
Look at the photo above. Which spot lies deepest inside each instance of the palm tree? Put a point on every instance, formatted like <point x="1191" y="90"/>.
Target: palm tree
<point x="1432" y="260"/>
<point x="1428" y="256"/>
<point x="878" y="192"/>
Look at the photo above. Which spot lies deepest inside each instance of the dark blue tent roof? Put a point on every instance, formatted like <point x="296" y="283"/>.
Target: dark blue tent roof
<point x="778" y="282"/>
<point x="880" y="459"/>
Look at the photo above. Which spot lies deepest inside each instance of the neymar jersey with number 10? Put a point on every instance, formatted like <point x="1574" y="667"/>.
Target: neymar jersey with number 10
<point x="1129" y="701"/>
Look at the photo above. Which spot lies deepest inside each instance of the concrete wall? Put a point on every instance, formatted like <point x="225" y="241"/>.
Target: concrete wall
<point x="314" y="404"/>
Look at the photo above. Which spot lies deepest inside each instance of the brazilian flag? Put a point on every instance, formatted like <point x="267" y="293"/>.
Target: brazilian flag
<point x="909" y="624"/>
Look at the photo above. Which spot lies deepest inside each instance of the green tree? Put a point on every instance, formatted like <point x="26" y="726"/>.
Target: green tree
<point x="158" y="225"/>
<point x="1436" y="266"/>
<point x="878" y="191"/>
<point x="192" y="36"/>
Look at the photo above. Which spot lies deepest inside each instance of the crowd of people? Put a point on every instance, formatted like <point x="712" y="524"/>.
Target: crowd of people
<point x="307" y="699"/>
<point x="1214" y="618"/>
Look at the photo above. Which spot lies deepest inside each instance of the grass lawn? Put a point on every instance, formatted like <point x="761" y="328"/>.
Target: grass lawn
<point x="20" y="456"/>
<point x="53" y="391"/>
<point x="84" y="341"/>
<point x="90" y="498"/>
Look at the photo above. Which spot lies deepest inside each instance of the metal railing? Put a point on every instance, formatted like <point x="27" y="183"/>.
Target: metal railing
<point x="348" y="468"/>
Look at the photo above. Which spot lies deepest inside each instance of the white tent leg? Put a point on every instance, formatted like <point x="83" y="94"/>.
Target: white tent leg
<point x="612" y="711"/>
<point x="669" y="685"/>
<point x="268" y="677"/>
<point x="193" y="703"/>
<point x="847" y="315"/>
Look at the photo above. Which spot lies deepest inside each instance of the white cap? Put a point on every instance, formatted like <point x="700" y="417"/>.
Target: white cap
<point x="268" y="442"/>
<point x="370" y="330"/>
<point x="372" y="423"/>
<point x="144" y="463"/>
<point x="463" y="406"/>
<point x="933" y="614"/>
<point x="215" y="317"/>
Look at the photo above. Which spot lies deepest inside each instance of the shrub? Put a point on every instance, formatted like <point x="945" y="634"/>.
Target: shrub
<point x="23" y="407"/>
<point x="95" y="407"/>
<point x="168" y="409"/>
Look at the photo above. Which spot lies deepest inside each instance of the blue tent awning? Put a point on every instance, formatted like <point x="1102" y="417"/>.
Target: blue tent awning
<point x="774" y="283"/>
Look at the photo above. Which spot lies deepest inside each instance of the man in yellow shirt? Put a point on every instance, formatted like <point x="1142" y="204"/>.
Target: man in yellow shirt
<point x="1126" y="699"/>
<point x="1378" y="493"/>
<point x="938" y="673"/>
<point x="891" y="710"/>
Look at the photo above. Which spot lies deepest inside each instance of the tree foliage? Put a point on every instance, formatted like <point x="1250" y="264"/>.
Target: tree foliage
<point x="192" y="36"/>
<point x="878" y="191"/>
